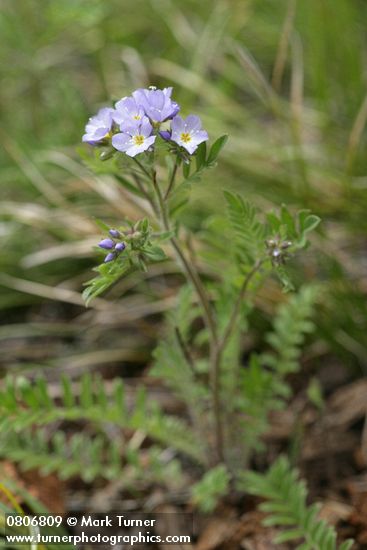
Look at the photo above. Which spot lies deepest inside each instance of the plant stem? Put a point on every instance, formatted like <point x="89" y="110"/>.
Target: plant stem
<point x="237" y="306"/>
<point x="172" y="180"/>
<point x="190" y="271"/>
<point x="142" y="167"/>
<point x="217" y="359"/>
<point x="194" y="277"/>
<point x="145" y="192"/>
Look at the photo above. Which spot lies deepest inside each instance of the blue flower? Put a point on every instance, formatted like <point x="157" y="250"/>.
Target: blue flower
<point x="134" y="139"/>
<point x="188" y="133"/>
<point x="157" y="104"/>
<point x="99" y="126"/>
<point x="127" y="110"/>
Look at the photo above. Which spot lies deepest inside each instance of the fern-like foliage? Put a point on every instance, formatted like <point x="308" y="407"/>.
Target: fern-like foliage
<point x="24" y="404"/>
<point x="291" y="324"/>
<point x="174" y="364"/>
<point x="287" y="508"/>
<point x="81" y="454"/>
<point x="213" y="485"/>
<point x="264" y="383"/>
<point x="86" y="456"/>
<point x="248" y="229"/>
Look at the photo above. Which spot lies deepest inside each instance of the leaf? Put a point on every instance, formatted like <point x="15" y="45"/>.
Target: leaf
<point x="249" y="232"/>
<point x="288" y="494"/>
<point x="288" y="221"/>
<point x="154" y="253"/>
<point x="273" y="221"/>
<point x="216" y="149"/>
<point x="213" y="485"/>
<point x="288" y="535"/>
<point x="108" y="274"/>
<point x="307" y="223"/>
<point x="284" y="279"/>
<point x="102" y="225"/>
<point x="186" y="169"/>
<point x="346" y="545"/>
<point x="200" y="156"/>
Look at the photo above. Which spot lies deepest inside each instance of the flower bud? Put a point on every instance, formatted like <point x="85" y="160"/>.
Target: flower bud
<point x="165" y="135"/>
<point x="110" y="257"/>
<point x="120" y="247"/>
<point x="114" y="233"/>
<point x="107" y="244"/>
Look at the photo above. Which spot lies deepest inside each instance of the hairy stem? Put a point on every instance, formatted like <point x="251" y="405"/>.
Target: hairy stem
<point x="237" y="307"/>
<point x="209" y="319"/>
<point x="188" y="268"/>
<point x="172" y="180"/>
<point x="217" y="355"/>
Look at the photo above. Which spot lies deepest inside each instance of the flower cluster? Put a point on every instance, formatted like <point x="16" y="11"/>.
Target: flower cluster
<point x="133" y="126"/>
<point x="114" y="248"/>
<point x="278" y="250"/>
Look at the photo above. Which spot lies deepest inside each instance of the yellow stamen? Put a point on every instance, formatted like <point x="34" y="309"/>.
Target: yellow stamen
<point x="185" y="137"/>
<point x="137" y="117"/>
<point x="139" y="140"/>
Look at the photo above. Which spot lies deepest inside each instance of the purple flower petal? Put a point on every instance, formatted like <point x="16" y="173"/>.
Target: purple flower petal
<point x="177" y="125"/>
<point x="110" y="257"/>
<point x="121" y="142"/>
<point x="187" y="133"/>
<point x="193" y="123"/>
<point x="165" y="135"/>
<point x="120" y="247"/>
<point x="157" y="104"/>
<point x="99" y="126"/>
<point x="127" y="110"/>
<point x="107" y="244"/>
<point x="114" y="233"/>
<point x="137" y="148"/>
<point x="146" y="127"/>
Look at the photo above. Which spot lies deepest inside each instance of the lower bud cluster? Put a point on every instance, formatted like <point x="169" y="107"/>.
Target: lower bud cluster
<point x="114" y="248"/>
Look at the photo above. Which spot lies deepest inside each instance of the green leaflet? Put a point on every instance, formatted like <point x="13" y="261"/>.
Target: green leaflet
<point x="287" y="508"/>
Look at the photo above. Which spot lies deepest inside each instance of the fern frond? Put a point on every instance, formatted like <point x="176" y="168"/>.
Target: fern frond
<point x="287" y="508"/>
<point x="86" y="456"/>
<point x="24" y="404"/>
<point x="173" y="368"/>
<point x="249" y="231"/>
<point x="291" y="324"/>
<point x="266" y="389"/>
<point x="81" y="454"/>
<point x="213" y="485"/>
